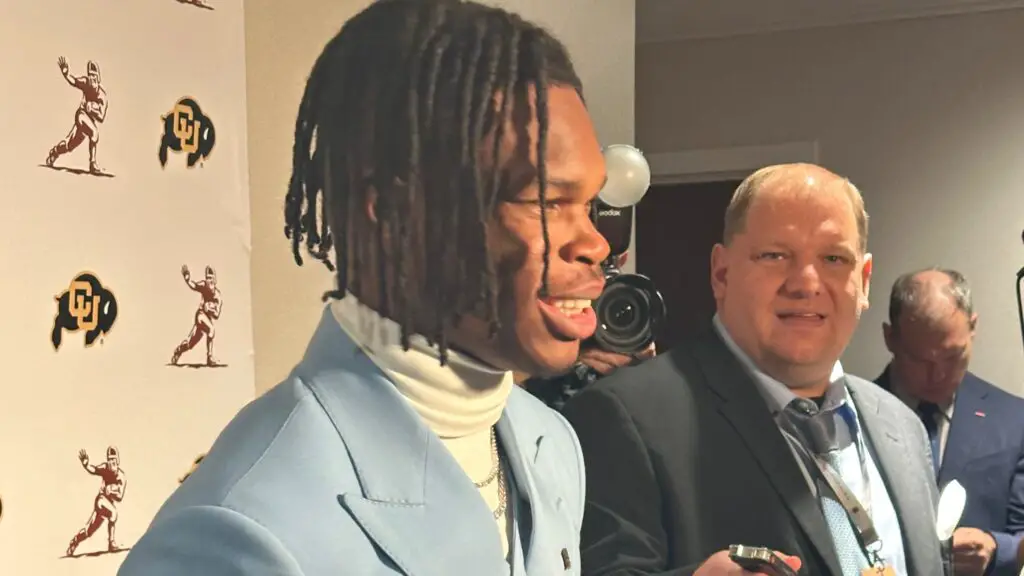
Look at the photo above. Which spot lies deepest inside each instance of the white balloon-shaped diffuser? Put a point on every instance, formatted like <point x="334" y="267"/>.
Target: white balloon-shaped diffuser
<point x="629" y="176"/>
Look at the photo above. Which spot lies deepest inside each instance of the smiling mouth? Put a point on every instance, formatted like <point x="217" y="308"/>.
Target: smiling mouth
<point x="801" y="317"/>
<point x="569" y="318"/>
<point x="570" y="307"/>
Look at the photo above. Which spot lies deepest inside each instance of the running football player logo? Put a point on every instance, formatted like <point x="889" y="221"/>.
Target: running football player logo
<point x="205" y="320"/>
<point x="104" y="507"/>
<point x="196" y="3"/>
<point x="91" y="112"/>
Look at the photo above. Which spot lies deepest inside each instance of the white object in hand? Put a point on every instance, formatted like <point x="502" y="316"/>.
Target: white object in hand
<point x="952" y="502"/>
<point x="629" y="176"/>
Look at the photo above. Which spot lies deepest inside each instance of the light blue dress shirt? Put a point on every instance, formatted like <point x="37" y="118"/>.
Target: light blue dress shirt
<point x="879" y="505"/>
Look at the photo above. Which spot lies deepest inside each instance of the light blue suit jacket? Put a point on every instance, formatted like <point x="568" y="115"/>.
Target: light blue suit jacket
<point x="332" y="472"/>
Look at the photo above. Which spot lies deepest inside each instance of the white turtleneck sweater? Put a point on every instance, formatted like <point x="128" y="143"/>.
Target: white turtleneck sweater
<point x="460" y="402"/>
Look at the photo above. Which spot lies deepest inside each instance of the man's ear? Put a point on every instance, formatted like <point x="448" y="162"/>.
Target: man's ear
<point x="889" y="337"/>
<point x="865" y="279"/>
<point x="719" y="270"/>
<point x="974" y="323"/>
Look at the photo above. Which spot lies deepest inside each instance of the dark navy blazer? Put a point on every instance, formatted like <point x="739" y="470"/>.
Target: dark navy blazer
<point x="985" y="453"/>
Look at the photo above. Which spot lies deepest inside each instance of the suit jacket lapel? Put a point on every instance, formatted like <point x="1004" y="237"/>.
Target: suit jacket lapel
<point x="748" y="413"/>
<point x="905" y="483"/>
<point x="523" y="447"/>
<point x="962" y="439"/>
<point x="415" y="502"/>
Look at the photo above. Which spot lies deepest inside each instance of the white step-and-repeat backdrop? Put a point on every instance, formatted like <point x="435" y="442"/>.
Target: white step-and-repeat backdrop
<point x="125" y="312"/>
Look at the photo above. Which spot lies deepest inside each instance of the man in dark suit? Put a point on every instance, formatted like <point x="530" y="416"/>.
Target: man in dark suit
<point x="733" y="438"/>
<point x="976" y="429"/>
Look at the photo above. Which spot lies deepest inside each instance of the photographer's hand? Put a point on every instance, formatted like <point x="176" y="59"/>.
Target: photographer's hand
<point x="604" y="362"/>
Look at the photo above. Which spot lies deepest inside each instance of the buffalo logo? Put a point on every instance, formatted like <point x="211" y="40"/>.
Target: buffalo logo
<point x="187" y="130"/>
<point x="87" y="306"/>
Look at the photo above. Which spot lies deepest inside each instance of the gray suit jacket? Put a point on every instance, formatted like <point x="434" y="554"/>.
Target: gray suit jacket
<point x="901" y="449"/>
<point x="684" y="459"/>
<point x="332" y="472"/>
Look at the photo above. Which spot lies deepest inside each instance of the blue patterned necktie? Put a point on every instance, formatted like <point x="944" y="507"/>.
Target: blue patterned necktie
<point x="812" y="430"/>
<point x="848" y="550"/>
<point x="928" y="413"/>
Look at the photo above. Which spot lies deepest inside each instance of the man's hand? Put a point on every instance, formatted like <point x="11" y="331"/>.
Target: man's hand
<point x="185" y="273"/>
<point x="605" y="362"/>
<point x="62" y="63"/>
<point x="973" y="550"/>
<point x="719" y="564"/>
<point x="83" y="457"/>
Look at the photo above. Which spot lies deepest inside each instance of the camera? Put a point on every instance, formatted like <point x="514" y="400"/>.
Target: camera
<point x="630" y="310"/>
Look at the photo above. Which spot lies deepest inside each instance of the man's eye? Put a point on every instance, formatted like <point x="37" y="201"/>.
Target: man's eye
<point x="837" y="259"/>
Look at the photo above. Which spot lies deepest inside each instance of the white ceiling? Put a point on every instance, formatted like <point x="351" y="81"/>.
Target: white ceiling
<point x="665" y="20"/>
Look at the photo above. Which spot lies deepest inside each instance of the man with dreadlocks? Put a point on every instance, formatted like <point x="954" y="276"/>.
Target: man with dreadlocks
<point x="444" y="166"/>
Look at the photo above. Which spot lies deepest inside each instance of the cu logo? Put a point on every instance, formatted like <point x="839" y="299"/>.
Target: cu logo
<point x="86" y="306"/>
<point x="188" y="131"/>
<point x="83" y="305"/>
<point x="186" y="128"/>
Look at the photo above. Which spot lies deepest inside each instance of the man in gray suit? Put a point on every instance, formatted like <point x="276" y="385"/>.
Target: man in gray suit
<point x="753" y="434"/>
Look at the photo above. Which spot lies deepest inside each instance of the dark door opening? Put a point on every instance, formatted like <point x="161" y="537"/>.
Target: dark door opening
<point x="676" y="227"/>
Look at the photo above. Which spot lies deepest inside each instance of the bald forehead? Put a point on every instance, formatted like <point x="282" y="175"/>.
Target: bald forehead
<point x="795" y="186"/>
<point x="788" y="180"/>
<point x="934" y="298"/>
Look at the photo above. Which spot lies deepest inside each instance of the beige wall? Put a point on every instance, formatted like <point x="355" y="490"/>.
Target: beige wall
<point x="925" y="116"/>
<point x="283" y="39"/>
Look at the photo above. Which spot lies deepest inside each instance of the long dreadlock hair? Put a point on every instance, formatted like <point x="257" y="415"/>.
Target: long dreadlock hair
<point x="399" y="103"/>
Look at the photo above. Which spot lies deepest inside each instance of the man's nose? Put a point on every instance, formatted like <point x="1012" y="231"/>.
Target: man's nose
<point x="588" y="245"/>
<point x="803" y="280"/>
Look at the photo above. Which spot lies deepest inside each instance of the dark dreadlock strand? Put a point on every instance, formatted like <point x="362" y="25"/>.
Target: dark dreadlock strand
<point x="482" y="106"/>
<point x="511" y="66"/>
<point x="297" y="195"/>
<point x="435" y="234"/>
<point x="398" y="104"/>
<point x="451" y="264"/>
<point x="425" y="32"/>
<point x="542" y="167"/>
<point x="470" y="132"/>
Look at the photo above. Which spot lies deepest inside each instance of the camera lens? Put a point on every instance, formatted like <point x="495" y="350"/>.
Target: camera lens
<point x="624" y="312"/>
<point x="628" y="313"/>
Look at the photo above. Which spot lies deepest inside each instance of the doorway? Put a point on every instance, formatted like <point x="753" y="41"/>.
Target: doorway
<point x="676" y="227"/>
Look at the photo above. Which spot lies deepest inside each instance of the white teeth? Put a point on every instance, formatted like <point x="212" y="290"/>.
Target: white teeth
<point x="571" y="307"/>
